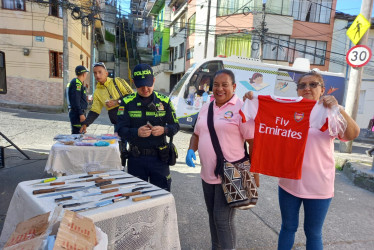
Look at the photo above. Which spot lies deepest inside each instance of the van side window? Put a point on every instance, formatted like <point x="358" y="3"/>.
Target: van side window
<point x="202" y="80"/>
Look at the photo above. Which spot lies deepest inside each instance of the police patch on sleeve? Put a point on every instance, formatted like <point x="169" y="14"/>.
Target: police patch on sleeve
<point x="79" y="87"/>
<point x="121" y="110"/>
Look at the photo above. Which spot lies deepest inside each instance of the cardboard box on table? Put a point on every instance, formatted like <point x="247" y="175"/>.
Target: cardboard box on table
<point x="73" y="232"/>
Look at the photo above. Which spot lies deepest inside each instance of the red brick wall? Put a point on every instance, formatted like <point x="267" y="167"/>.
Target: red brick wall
<point x="36" y="92"/>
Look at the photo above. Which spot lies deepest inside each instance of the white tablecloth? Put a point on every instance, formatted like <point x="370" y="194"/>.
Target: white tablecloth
<point x="81" y="159"/>
<point x="148" y="224"/>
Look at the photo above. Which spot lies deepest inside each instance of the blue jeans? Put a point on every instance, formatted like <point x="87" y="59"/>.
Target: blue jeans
<point x="221" y="217"/>
<point x="315" y="211"/>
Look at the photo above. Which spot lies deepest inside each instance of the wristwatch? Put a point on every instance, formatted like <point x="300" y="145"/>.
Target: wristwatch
<point x="166" y="130"/>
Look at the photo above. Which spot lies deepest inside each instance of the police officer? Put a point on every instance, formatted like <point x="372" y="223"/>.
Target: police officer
<point x="77" y="99"/>
<point x="145" y="118"/>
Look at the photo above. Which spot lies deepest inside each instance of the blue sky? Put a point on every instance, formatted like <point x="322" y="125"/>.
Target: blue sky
<point x="352" y="7"/>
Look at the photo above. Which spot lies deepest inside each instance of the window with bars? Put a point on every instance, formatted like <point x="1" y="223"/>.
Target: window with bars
<point x="55" y="8"/>
<point x="175" y="53"/>
<point x="181" y="50"/>
<point x="55" y="64"/>
<point x="191" y="24"/>
<point x="284" y="48"/>
<point x="316" y="11"/>
<point x="182" y="21"/>
<point x="190" y="52"/>
<point x="237" y="6"/>
<point x="13" y="4"/>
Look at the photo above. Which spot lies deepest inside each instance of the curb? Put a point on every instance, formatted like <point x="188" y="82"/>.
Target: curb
<point x="359" y="175"/>
<point x="32" y="107"/>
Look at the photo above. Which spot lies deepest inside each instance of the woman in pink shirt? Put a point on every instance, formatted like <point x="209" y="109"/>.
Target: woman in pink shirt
<point x="231" y="133"/>
<point x="315" y="189"/>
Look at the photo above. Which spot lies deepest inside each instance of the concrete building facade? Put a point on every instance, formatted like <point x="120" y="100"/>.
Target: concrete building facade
<point x="31" y="35"/>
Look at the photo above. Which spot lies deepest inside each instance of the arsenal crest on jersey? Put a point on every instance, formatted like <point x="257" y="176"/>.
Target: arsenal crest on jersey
<point x="298" y="116"/>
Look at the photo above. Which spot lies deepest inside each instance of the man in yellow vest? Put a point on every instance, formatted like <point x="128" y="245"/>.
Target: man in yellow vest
<point x="108" y="93"/>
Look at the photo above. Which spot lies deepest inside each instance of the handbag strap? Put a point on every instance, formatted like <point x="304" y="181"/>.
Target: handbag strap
<point x="217" y="148"/>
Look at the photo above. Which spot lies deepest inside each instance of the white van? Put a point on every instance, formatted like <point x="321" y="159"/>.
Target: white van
<point x="195" y="87"/>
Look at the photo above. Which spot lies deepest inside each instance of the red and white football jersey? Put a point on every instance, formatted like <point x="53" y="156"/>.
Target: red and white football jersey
<point x="281" y="131"/>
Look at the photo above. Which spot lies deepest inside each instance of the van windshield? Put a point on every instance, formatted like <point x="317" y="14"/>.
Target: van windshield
<point x="177" y="88"/>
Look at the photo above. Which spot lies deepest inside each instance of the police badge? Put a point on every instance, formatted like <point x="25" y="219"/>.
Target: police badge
<point x="161" y="107"/>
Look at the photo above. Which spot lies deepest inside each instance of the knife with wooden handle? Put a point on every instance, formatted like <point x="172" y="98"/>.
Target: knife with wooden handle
<point x="146" y="197"/>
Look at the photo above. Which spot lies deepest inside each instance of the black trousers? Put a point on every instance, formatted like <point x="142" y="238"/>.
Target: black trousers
<point x="75" y="121"/>
<point x="151" y="169"/>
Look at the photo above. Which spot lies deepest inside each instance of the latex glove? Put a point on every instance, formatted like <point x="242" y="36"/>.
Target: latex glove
<point x="190" y="155"/>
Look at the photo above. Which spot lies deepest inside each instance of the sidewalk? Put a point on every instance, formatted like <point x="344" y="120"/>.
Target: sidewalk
<point x="358" y="167"/>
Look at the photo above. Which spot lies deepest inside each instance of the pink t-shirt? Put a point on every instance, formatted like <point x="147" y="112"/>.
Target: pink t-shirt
<point x="231" y="133"/>
<point x="318" y="170"/>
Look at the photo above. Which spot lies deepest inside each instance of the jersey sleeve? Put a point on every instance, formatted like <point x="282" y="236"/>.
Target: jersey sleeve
<point x="249" y="109"/>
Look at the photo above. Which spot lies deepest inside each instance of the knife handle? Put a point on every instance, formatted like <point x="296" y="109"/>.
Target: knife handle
<point x="120" y="199"/>
<point x="43" y="191"/>
<point x="71" y="205"/>
<point x="86" y="176"/>
<point x="109" y="186"/>
<point x="110" y="191"/>
<point x="102" y="180"/>
<point x="94" y="179"/>
<point x="96" y="172"/>
<point x="57" y="183"/>
<point x="64" y="198"/>
<point x="104" y="183"/>
<point x="132" y="193"/>
<point x="141" y="198"/>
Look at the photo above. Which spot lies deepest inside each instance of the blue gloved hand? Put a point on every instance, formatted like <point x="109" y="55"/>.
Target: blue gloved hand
<point x="190" y="155"/>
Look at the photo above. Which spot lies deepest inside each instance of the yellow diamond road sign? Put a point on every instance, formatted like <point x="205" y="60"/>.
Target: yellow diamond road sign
<point x="358" y="28"/>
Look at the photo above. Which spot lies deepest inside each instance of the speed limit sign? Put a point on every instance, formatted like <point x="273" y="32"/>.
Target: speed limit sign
<point x="358" y="56"/>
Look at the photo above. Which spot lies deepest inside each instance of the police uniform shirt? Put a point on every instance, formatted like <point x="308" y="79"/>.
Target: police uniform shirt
<point x="77" y="96"/>
<point x="133" y="113"/>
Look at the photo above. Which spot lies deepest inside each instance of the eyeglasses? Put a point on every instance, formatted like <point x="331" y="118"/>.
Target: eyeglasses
<point x="311" y="85"/>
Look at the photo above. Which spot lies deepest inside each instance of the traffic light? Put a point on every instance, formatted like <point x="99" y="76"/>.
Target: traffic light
<point x="3" y="88"/>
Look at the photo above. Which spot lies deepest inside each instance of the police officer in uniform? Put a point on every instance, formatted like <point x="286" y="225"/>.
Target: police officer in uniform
<point x="145" y="118"/>
<point x="77" y="99"/>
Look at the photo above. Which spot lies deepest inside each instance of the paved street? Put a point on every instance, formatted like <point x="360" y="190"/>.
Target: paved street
<point x="349" y="223"/>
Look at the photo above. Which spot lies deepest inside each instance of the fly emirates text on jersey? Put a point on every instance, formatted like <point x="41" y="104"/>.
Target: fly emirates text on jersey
<point x="263" y="129"/>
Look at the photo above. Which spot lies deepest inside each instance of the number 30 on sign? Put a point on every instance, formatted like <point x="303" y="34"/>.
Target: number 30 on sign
<point x="358" y="56"/>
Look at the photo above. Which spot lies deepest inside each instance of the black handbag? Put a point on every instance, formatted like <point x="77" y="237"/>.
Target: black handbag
<point x="238" y="183"/>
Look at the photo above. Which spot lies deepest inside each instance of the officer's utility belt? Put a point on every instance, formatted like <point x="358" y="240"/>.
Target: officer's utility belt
<point x="135" y="151"/>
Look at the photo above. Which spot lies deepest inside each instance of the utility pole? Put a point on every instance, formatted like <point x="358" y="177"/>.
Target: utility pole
<point x="65" y="52"/>
<point x="92" y="60"/>
<point x="355" y="77"/>
<point x="262" y="33"/>
<point x="207" y="30"/>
